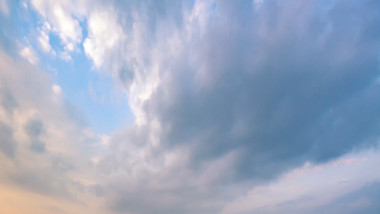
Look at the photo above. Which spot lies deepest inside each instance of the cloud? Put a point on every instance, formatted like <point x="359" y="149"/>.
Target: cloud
<point x="29" y="54"/>
<point x="42" y="137"/>
<point x="362" y="200"/>
<point x="228" y="96"/>
<point x="315" y="188"/>
<point x="44" y="40"/>
<point x="64" y="19"/>
<point x="8" y="102"/>
<point x="4" y="7"/>
<point x="34" y="128"/>
<point x="104" y="34"/>
<point x="57" y="90"/>
<point x="261" y="91"/>
<point x="7" y="143"/>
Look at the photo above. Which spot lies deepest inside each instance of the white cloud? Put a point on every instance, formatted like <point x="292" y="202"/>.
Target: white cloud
<point x="29" y="54"/>
<point x="57" y="89"/>
<point x="41" y="142"/>
<point x="64" y="19"/>
<point x="44" y="42"/>
<point x="66" y="26"/>
<point x="25" y="5"/>
<point x="65" y="56"/>
<point x="4" y="7"/>
<point x="104" y="33"/>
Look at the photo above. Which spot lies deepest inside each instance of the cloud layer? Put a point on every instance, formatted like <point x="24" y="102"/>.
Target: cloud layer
<point x="228" y="97"/>
<point x="226" y="92"/>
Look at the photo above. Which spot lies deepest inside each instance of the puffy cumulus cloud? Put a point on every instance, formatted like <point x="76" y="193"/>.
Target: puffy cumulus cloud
<point x="232" y="93"/>
<point x="42" y="143"/>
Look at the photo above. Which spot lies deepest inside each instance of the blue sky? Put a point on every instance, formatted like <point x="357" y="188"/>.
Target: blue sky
<point x="217" y="107"/>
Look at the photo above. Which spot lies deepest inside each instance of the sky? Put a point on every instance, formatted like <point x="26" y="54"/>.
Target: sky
<point x="190" y="106"/>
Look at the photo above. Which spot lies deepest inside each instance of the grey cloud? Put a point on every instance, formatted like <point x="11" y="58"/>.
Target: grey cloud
<point x="299" y="86"/>
<point x="7" y="143"/>
<point x="38" y="146"/>
<point x="34" y="128"/>
<point x="280" y="85"/>
<point x="62" y="165"/>
<point x="43" y="181"/>
<point x="363" y="200"/>
<point x="303" y="90"/>
<point x="8" y="101"/>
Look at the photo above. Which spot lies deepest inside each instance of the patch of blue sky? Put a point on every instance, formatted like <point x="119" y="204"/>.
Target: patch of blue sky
<point x="93" y="92"/>
<point x="15" y="26"/>
<point x="214" y="6"/>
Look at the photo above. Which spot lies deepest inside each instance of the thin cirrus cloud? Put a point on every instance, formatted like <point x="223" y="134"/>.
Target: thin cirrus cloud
<point x="239" y="107"/>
